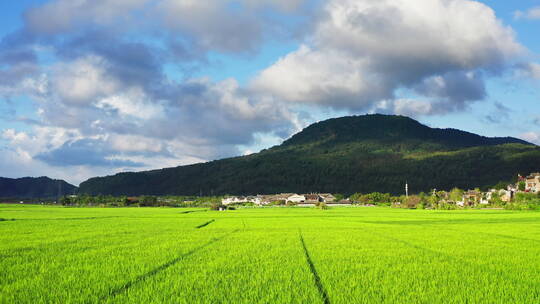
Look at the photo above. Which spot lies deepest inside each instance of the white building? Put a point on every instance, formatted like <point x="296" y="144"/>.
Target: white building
<point x="532" y="183"/>
<point x="295" y="198"/>
<point x="257" y="200"/>
<point x="234" y="200"/>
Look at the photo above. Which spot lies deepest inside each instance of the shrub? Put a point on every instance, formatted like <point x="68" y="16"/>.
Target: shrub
<point x="217" y="207"/>
<point x="413" y="202"/>
<point x="278" y="203"/>
<point x="322" y="206"/>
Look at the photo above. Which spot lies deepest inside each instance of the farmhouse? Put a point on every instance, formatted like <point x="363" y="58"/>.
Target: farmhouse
<point x="471" y="197"/>
<point x="327" y="197"/>
<point x="532" y="183"/>
<point x="296" y="198"/>
<point x="313" y="198"/>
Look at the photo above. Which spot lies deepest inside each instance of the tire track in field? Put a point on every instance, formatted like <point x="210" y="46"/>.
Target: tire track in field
<point x="69" y="218"/>
<point x="463" y="261"/>
<point x="205" y="224"/>
<point x="455" y="259"/>
<point x="438" y="225"/>
<point x="117" y="291"/>
<point x="495" y="234"/>
<point x="317" y="279"/>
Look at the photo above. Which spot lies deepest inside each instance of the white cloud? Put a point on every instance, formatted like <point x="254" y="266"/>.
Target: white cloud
<point x="132" y="104"/>
<point x="533" y="137"/>
<point x="127" y="126"/>
<point x="531" y="14"/>
<point x="83" y="80"/>
<point x="321" y="77"/>
<point x="222" y="25"/>
<point x="362" y="52"/>
<point x="61" y="16"/>
<point x="529" y="70"/>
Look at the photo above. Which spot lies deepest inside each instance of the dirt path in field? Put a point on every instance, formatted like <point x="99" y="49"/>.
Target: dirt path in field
<point x="317" y="279"/>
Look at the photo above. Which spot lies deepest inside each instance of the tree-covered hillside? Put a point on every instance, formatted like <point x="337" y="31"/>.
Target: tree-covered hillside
<point x="29" y="187"/>
<point x="344" y="155"/>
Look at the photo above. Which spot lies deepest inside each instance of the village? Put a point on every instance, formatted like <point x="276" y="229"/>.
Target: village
<point x="457" y="197"/>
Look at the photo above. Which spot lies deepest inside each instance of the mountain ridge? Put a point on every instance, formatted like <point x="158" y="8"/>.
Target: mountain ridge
<point x="343" y="155"/>
<point x="34" y="187"/>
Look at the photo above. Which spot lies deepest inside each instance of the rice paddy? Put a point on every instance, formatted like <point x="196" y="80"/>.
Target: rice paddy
<point x="275" y="255"/>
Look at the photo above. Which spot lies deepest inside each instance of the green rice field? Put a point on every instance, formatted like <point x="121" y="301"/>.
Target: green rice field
<point x="271" y="255"/>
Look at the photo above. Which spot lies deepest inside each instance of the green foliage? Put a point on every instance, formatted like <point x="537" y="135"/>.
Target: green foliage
<point x="375" y="198"/>
<point x="414" y="201"/>
<point x="521" y="186"/>
<point x="322" y="206"/>
<point x="355" y="198"/>
<point x="500" y="186"/>
<point x="339" y="196"/>
<point x="496" y="199"/>
<point x="217" y="207"/>
<point x="28" y="187"/>
<point x="278" y="203"/>
<point x="346" y="155"/>
<point x="456" y="195"/>
<point x="524" y="201"/>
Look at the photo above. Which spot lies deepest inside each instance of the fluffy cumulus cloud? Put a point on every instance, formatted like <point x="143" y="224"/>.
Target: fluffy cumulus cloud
<point x="112" y="84"/>
<point x="363" y="52"/>
<point x="99" y="75"/>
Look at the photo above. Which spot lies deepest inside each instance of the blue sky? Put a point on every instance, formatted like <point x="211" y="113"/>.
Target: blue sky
<point x="97" y="87"/>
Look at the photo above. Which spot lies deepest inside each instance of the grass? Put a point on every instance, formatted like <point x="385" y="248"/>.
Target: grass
<point x="280" y="255"/>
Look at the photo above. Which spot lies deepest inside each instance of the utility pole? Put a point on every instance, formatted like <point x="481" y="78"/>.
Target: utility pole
<point x="406" y="190"/>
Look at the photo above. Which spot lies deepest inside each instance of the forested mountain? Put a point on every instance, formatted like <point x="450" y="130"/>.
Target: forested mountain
<point x="29" y="187"/>
<point x="344" y="155"/>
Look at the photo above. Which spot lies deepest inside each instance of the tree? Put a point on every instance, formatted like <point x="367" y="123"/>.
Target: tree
<point x="355" y="198"/>
<point x="339" y="197"/>
<point x="147" y="200"/>
<point x="64" y="200"/>
<point x="413" y="201"/>
<point x="456" y="195"/>
<point x="521" y="186"/>
<point x="500" y="186"/>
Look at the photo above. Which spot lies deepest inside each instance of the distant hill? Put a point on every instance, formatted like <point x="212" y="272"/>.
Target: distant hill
<point x="29" y="187"/>
<point x="344" y="155"/>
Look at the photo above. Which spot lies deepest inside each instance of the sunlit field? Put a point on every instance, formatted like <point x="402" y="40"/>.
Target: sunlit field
<point x="275" y="255"/>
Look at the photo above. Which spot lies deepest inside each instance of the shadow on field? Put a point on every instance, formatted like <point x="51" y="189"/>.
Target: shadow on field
<point x="318" y="283"/>
<point x="113" y="293"/>
<point x="193" y="211"/>
<point x="205" y="224"/>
